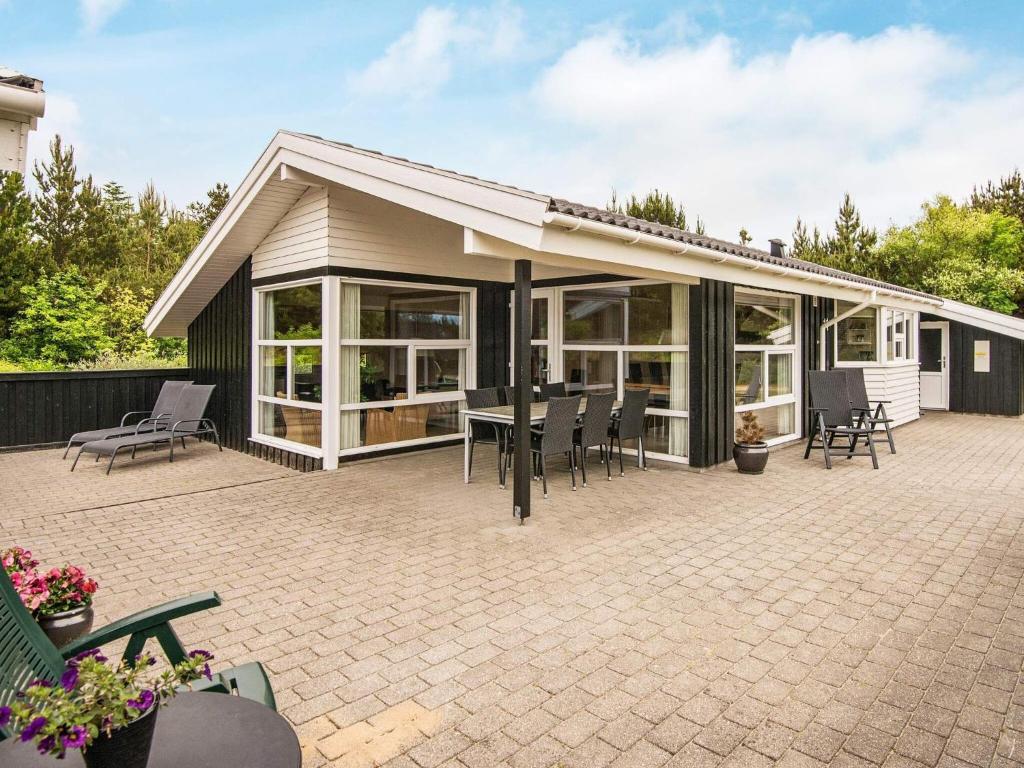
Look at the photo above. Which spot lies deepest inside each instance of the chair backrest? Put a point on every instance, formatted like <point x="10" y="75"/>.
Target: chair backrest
<point x="858" y="390"/>
<point x="191" y="405"/>
<point x="753" y="393"/>
<point x="596" y="418"/>
<point x="552" y="389"/>
<point x="170" y="392"/>
<point x="482" y="398"/>
<point x="26" y="653"/>
<point x="634" y="407"/>
<point x="509" y="394"/>
<point x="559" y="425"/>
<point x="828" y="391"/>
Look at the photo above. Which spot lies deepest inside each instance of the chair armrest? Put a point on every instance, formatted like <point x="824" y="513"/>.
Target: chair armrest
<point x="153" y="420"/>
<point x="882" y="402"/>
<point x="139" y="627"/>
<point x="860" y="410"/>
<point x="134" y="413"/>
<point x="198" y="422"/>
<point x="817" y="410"/>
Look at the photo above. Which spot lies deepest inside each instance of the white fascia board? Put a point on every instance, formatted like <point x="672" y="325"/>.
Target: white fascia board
<point x="573" y="235"/>
<point x="261" y="172"/>
<point x="480" y="244"/>
<point x="996" y="322"/>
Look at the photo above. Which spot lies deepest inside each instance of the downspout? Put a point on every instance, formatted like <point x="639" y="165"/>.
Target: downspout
<point x="822" y="332"/>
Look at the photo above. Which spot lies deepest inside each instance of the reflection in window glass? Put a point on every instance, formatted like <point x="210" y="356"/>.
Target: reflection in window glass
<point x="274" y="371"/>
<point x="539" y="320"/>
<point x="377" y="426"/>
<point x="594" y="316"/>
<point x="383" y="374"/>
<point x="780" y="375"/>
<point x="602" y="315"/>
<point x="539" y="364"/>
<point x="440" y="370"/>
<point x="590" y="371"/>
<point x="300" y="425"/>
<point x="777" y="420"/>
<point x="394" y="312"/>
<point x="855" y="336"/>
<point x="668" y="435"/>
<point x="749" y="378"/>
<point x="292" y="313"/>
<point x="763" y="320"/>
<point x="306" y="374"/>
<point x="664" y="373"/>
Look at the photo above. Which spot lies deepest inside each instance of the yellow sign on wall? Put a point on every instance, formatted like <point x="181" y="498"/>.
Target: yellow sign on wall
<point x="982" y="357"/>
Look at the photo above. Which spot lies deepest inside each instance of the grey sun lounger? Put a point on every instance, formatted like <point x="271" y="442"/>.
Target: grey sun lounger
<point x="185" y="420"/>
<point x="131" y="421"/>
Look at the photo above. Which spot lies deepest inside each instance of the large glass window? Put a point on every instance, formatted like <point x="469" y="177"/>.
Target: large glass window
<point x="633" y="336"/>
<point x="899" y="335"/>
<point x="405" y="360"/>
<point x="765" y="360"/>
<point x="289" y="359"/>
<point x="857" y="335"/>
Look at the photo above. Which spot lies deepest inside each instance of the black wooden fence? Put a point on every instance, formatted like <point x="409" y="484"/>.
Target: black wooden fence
<point x="43" y="409"/>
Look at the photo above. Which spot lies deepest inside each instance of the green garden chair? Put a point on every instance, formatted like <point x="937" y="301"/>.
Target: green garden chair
<point x="26" y="653"/>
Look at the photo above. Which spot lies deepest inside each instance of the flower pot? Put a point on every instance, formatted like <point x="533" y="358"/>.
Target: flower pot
<point x="750" y="458"/>
<point x="126" y="747"/>
<point x="66" y="626"/>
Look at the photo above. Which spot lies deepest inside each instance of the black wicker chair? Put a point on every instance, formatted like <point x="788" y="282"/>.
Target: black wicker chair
<point x="859" y="400"/>
<point x="594" y="431"/>
<point x="485" y="432"/>
<point x="552" y="389"/>
<point x="629" y="425"/>
<point x="556" y="437"/>
<point x="833" y="415"/>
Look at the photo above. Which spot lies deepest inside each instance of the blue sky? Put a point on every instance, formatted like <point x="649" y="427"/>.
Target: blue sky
<point x="751" y="113"/>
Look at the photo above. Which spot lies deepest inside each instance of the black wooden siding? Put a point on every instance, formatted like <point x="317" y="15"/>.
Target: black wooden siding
<point x="712" y="397"/>
<point x="219" y="341"/>
<point x="44" y="409"/>
<point x="813" y="312"/>
<point x="999" y="392"/>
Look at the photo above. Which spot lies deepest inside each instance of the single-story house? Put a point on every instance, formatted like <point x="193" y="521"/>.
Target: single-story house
<point x="344" y="299"/>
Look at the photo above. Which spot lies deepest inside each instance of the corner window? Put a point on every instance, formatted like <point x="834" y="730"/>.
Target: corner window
<point x="899" y="336"/>
<point x="856" y="336"/>
<point x="405" y="359"/>
<point x="765" y="361"/>
<point x="289" y="364"/>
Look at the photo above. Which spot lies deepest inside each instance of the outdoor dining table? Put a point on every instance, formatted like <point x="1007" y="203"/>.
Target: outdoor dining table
<point x="196" y="730"/>
<point x="505" y="415"/>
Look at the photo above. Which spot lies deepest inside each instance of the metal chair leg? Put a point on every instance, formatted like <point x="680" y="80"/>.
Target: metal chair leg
<point x="871" y="448"/>
<point x="66" y="451"/>
<point x="622" y="469"/>
<point x="880" y="413"/>
<point x="469" y="469"/>
<point x="825" y="446"/>
<point x="572" y="466"/>
<point x="543" y="474"/>
<point x="583" y="463"/>
<point x="605" y="451"/>
<point x="112" y="457"/>
<point x="77" y="457"/>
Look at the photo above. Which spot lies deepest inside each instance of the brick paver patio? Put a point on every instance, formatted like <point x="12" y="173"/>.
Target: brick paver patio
<point x="668" y="618"/>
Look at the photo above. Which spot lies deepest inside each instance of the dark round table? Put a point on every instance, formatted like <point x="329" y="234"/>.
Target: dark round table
<point x="196" y="730"/>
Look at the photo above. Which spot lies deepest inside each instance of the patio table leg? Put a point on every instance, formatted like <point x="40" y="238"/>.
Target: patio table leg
<point x="465" y="458"/>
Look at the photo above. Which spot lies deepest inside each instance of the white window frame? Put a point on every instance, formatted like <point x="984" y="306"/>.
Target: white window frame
<point x="559" y="348"/>
<point x="885" y="317"/>
<point x="259" y="343"/>
<point x="879" y="339"/>
<point x="793" y="350"/>
<point x="412" y="345"/>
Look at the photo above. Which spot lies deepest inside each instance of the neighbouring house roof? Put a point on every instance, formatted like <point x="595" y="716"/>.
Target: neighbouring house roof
<point x="492" y="208"/>
<point x="17" y="79"/>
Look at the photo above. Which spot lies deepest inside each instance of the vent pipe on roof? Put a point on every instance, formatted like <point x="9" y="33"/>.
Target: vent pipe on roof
<point x="778" y="248"/>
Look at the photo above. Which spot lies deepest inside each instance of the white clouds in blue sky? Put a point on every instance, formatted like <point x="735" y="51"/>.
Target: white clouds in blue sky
<point x="751" y="114"/>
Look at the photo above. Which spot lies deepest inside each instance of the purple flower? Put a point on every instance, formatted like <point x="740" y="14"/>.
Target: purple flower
<point x="69" y="679"/>
<point x="75" y="739"/>
<point x="33" y="728"/>
<point x="46" y="744"/>
<point x="150" y="661"/>
<point x="40" y="683"/>
<point x="94" y="652"/>
<point x="200" y="654"/>
<point x="5" y="716"/>
<point x="144" y="702"/>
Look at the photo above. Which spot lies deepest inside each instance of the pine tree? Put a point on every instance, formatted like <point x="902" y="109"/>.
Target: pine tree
<point x="20" y="257"/>
<point x="1007" y="197"/>
<point x="217" y="197"/>
<point x="851" y="247"/>
<point x="151" y="212"/>
<point x="654" y="206"/>
<point x="58" y="213"/>
<point x="744" y="236"/>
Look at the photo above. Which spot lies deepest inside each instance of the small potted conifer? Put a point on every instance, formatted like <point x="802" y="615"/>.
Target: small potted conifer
<point x="750" y="451"/>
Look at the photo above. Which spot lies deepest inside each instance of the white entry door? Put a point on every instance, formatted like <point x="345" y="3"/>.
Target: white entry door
<point x="544" y="365"/>
<point x="934" y="355"/>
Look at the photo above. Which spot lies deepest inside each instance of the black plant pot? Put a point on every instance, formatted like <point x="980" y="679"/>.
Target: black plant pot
<point x="64" y="627"/>
<point x="126" y="747"/>
<point x="750" y="458"/>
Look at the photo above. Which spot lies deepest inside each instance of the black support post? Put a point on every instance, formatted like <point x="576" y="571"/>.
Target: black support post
<point x="521" y="327"/>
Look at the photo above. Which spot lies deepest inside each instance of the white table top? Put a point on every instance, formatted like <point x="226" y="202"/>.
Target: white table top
<point x="505" y="414"/>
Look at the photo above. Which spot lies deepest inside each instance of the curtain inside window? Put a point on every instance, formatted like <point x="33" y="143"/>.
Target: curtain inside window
<point x="349" y="364"/>
<point x="678" y="438"/>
